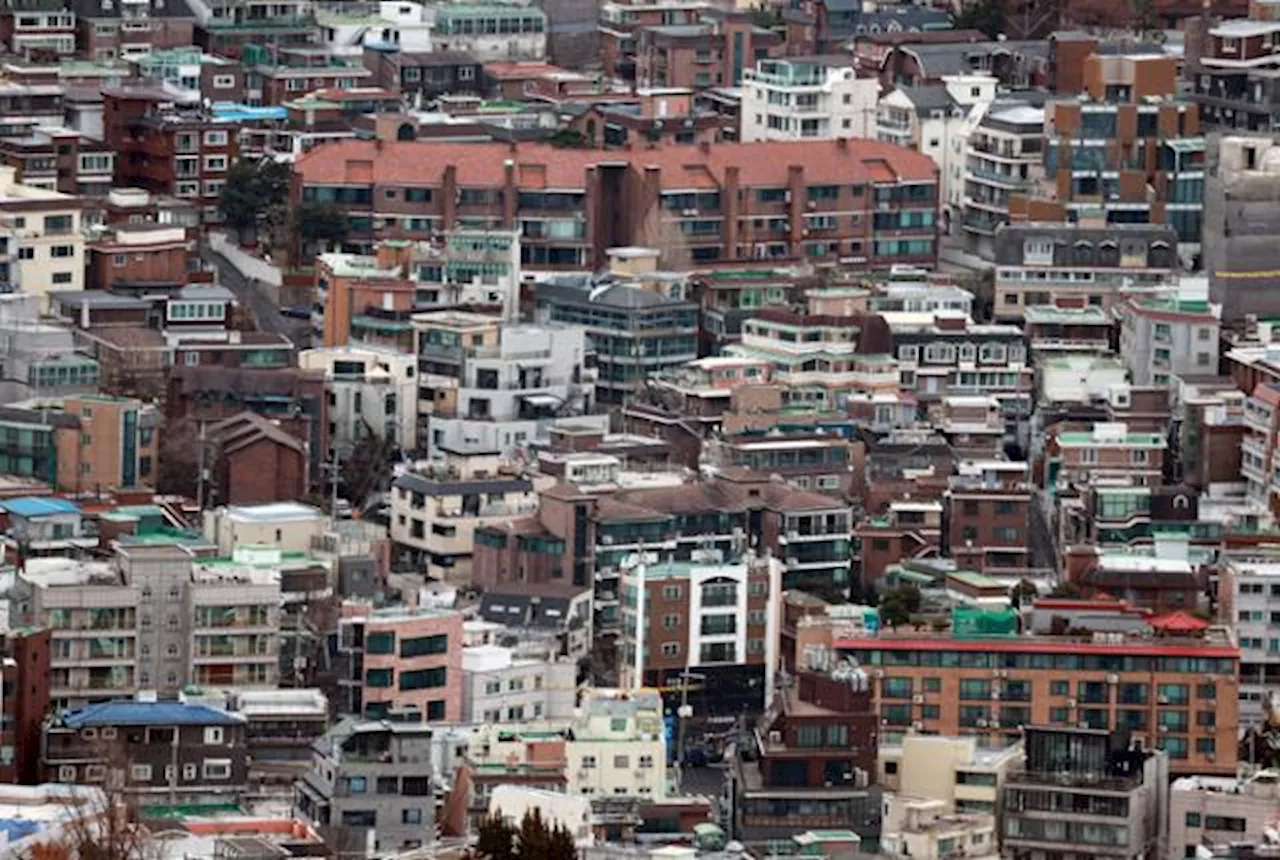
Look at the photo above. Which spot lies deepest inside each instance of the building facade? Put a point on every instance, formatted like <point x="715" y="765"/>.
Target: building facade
<point x="796" y="98"/>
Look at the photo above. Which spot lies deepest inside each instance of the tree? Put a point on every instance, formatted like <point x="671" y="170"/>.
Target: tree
<point x="323" y="224"/>
<point x="178" y="471"/>
<point x="568" y="138"/>
<point x="365" y="467"/>
<point x="985" y="15"/>
<point x="1025" y="590"/>
<point x="898" y="605"/>
<point x="255" y="198"/>
<point x="495" y="839"/>
<point x="533" y="839"/>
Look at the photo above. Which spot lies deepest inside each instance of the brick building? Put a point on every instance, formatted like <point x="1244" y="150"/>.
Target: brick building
<point x="136" y="254"/>
<point x="25" y="703"/>
<point x="109" y="31"/>
<point x="852" y="201"/>
<point x="713" y="52"/>
<point x="254" y="461"/>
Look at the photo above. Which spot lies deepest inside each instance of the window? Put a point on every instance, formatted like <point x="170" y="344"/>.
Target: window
<point x="62" y="251"/>
<point x="411" y="816"/>
<point x="424" y="645"/>
<point x="423" y="678"/>
<point x="621" y="762"/>
<point x="1059" y="688"/>
<point x="671" y="592"/>
<point x="215" y="163"/>
<point x="588" y="762"/>
<point x="221" y="82"/>
<point x="213" y="736"/>
<point x="61" y="277"/>
<point x="217" y="768"/>
<point x="27" y="253"/>
<point x="670" y="649"/>
<point x="140" y="773"/>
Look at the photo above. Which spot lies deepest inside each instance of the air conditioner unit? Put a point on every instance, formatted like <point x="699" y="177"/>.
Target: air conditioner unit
<point x="980" y="723"/>
<point x="879" y="673"/>
<point x="786" y="197"/>
<point x="1164" y="700"/>
<point x="918" y="726"/>
<point x="1163" y="729"/>
<point x="1071" y="703"/>
<point x="1113" y="678"/>
<point x="918" y="699"/>
<point x="812" y="205"/>
<point x="995" y="695"/>
<point x="1082" y="725"/>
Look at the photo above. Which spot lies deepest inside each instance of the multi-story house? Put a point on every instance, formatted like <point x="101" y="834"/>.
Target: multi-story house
<point x="988" y="515"/>
<point x="134" y="254"/>
<point x="108" y="442"/>
<point x="1016" y="64"/>
<point x="719" y="621"/>
<point x="1003" y="155"/>
<point x="372" y="392"/>
<point x="863" y="202"/>
<point x="1089" y="791"/>
<point x="423" y="76"/>
<point x="41" y="239"/>
<point x="1068" y="326"/>
<point x="214" y="78"/>
<point x="1178" y="693"/>
<point x="170" y="751"/>
<point x="38" y="28"/>
<point x="1106" y="451"/>
<point x="486" y="385"/>
<point x="937" y="119"/>
<point x="109" y="31"/>
<point x="821" y="359"/>
<point x="435" y="512"/>
<point x="60" y="159"/>
<point x="40" y="526"/>
<point x="25" y="107"/>
<point x="369" y="788"/>
<point x="1162" y="340"/>
<point x="401" y="663"/>
<point x="946" y="354"/>
<point x="1044" y="264"/>
<point x="176" y="151"/>
<point x="619" y="24"/>
<point x="513" y="685"/>
<point x="350" y="286"/>
<point x="25" y="672"/>
<point x="798" y="97"/>
<point x="228" y="27"/>
<point x="1205" y="809"/>
<point x="279" y="77"/>
<point x="716" y="51"/>
<point x="635" y="333"/>
<point x="1128" y="151"/>
<point x="1233" y="83"/>
<point x="814" y="755"/>
<point x="492" y="32"/>
<point x="907" y="528"/>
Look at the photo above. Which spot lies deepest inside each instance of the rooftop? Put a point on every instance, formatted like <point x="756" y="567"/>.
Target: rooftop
<point x="39" y="506"/>
<point x="273" y="513"/>
<point x="126" y="712"/>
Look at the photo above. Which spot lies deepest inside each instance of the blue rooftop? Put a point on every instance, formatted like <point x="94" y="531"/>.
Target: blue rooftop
<point x="39" y="506"/>
<point x="19" y="828"/>
<point x="128" y="712"/>
<point x="233" y="110"/>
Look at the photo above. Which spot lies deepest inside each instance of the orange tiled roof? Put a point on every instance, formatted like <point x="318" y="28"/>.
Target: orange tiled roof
<point x="423" y="163"/>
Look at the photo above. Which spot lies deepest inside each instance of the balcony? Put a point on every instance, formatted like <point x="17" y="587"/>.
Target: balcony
<point x="986" y="174"/>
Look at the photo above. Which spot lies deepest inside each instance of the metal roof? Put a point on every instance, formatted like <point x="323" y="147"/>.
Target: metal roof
<point x="127" y="712"/>
<point x="39" y="506"/>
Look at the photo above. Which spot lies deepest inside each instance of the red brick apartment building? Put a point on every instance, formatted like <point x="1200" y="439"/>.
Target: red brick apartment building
<point x="827" y="201"/>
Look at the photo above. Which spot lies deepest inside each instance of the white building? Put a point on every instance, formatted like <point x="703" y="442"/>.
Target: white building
<point x="507" y="685"/>
<point x="1251" y="600"/>
<point x="1206" y="810"/>
<point x="799" y="97"/>
<point x="492" y="32"/>
<point x="1165" y="339"/>
<point x="937" y="119"/>
<point x="291" y="526"/>
<point x="372" y="393"/>
<point x="571" y="812"/>
<point x="925" y="830"/>
<point x="1003" y="157"/>
<point x="488" y="386"/>
<point x="406" y="25"/>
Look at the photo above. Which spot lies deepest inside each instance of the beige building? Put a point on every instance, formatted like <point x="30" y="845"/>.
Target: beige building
<point x="41" y="239"/>
<point x="1209" y="809"/>
<point x="436" y="511"/>
<point x="291" y="526"/>
<point x="372" y="394"/>
<point x="953" y="770"/>
<point x="926" y="830"/>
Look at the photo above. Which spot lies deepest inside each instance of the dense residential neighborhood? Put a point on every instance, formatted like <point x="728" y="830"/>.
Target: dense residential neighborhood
<point x="672" y="429"/>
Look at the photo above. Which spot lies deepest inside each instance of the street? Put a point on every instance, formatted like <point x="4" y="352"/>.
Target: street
<point x="265" y="312"/>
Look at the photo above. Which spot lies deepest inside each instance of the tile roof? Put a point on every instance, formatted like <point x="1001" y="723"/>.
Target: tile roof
<point x="127" y="712"/>
<point x="764" y="163"/>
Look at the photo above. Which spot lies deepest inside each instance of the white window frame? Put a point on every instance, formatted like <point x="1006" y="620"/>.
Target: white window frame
<point x="216" y="768"/>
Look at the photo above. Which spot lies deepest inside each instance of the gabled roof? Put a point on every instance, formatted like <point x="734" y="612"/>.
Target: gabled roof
<point x="128" y="712"/>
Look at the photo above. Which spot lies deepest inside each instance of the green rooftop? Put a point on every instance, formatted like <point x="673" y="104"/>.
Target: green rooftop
<point x="972" y="577"/>
<point x="1092" y="440"/>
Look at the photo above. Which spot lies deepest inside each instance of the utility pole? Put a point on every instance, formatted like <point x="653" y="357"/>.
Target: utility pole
<point x="200" y="470"/>
<point x="335" y="470"/>
<point x="683" y="713"/>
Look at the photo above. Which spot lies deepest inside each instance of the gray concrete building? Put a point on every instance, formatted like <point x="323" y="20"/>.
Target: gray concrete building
<point x="1241" y="222"/>
<point x="1088" y="793"/>
<point x="369" y="788"/>
<point x="1165" y="339"/>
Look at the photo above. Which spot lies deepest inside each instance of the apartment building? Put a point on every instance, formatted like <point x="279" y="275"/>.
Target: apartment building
<point x="925" y="830"/>
<point x="435" y="512"/>
<point x="1042" y="264"/>
<point x="635" y="333"/>
<point x="25" y="673"/>
<point x="515" y="685"/>
<point x="372" y="395"/>
<point x="1233" y="86"/>
<point x="802" y="97"/>
<point x="350" y="286"/>
<point x="1250" y="603"/>
<point x="133" y="254"/>
<point x="166" y="145"/>
<point x="41" y="243"/>
<point x="988" y="523"/>
<point x="1108" y="452"/>
<point x="100" y="442"/>
<point x="1206" y="809"/>
<point x="906" y="528"/>
<point x="369" y="788"/>
<point x="232" y="28"/>
<point x="400" y="663"/>
<point x="937" y="119"/>
<point x="492" y="32"/>
<point x="820" y="359"/>
<point x="717" y="620"/>
<point x="1114" y="795"/>
<point x="107" y="32"/>
<point x="486" y="385"/>
<point x="176" y="752"/>
<point x="1003" y="155"/>
<point x="1130" y="124"/>
<point x="753" y="200"/>
<point x="715" y="51"/>
<point x="1162" y="340"/>
<point x="1177" y="693"/>
<point x="212" y="77"/>
<point x="38" y="29"/>
<point x="423" y="76"/>
<point x="620" y="23"/>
